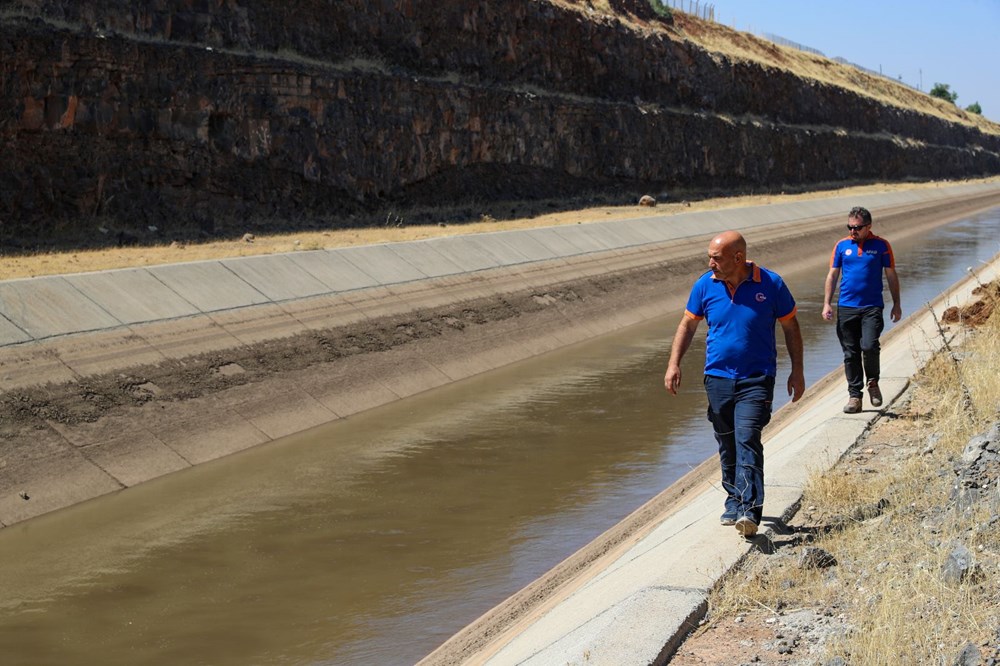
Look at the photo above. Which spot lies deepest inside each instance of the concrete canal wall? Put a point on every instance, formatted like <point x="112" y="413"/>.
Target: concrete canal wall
<point x="112" y="379"/>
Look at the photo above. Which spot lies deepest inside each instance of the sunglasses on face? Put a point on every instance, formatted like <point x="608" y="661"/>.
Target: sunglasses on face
<point x="857" y="228"/>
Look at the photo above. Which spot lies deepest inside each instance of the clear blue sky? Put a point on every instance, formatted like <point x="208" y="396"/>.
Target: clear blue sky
<point x="956" y="42"/>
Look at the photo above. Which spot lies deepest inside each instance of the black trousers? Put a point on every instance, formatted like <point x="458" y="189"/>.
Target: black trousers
<point x="858" y="330"/>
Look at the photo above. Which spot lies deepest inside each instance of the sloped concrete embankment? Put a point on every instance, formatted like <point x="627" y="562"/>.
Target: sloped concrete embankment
<point x="89" y="411"/>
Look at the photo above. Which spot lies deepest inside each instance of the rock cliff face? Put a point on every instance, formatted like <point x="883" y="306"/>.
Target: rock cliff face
<point x="209" y="115"/>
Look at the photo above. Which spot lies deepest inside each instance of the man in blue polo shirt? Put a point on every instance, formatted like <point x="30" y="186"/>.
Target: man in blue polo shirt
<point x="741" y="302"/>
<point x="859" y="261"/>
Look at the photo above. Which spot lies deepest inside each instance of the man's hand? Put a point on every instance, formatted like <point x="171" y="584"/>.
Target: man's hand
<point x="892" y="279"/>
<point x="793" y="342"/>
<point x="672" y="379"/>
<point x="682" y="340"/>
<point x="796" y="385"/>
<point x="828" y="287"/>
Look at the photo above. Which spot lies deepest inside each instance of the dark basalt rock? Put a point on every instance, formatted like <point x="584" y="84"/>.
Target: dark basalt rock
<point x="195" y="117"/>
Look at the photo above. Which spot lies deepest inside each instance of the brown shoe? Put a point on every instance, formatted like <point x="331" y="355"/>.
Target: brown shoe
<point x="746" y="527"/>
<point x="853" y="406"/>
<point x="874" y="394"/>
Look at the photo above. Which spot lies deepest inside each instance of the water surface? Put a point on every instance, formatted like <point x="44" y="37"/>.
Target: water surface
<point x="373" y="539"/>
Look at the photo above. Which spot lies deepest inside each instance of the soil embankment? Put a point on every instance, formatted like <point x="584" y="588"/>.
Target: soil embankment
<point x="68" y="438"/>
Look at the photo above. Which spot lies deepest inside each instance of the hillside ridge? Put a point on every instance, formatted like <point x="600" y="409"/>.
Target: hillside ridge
<point x="178" y="119"/>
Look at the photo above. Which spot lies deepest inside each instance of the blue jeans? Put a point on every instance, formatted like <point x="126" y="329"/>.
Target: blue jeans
<point x="739" y="409"/>
<point x="858" y="330"/>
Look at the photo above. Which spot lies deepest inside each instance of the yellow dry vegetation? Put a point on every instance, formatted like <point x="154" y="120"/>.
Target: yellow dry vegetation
<point x="743" y="46"/>
<point x="893" y="520"/>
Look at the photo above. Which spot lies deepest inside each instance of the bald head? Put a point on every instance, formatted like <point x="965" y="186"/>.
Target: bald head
<point x="729" y="242"/>
<point x="727" y="255"/>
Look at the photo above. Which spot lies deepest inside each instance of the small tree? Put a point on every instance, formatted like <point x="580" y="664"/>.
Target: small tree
<point x="943" y="91"/>
<point x="661" y="9"/>
<point x="975" y="108"/>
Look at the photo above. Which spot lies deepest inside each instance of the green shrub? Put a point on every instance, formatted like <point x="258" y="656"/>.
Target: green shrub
<point x="943" y="91"/>
<point x="661" y="9"/>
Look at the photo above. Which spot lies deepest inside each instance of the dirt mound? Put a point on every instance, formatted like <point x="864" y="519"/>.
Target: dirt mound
<point x="979" y="311"/>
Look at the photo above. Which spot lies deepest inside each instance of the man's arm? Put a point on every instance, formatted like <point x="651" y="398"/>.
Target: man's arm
<point x="893" y="280"/>
<point x="682" y="340"/>
<point x="831" y="283"/>
<point x="793" y="341"/>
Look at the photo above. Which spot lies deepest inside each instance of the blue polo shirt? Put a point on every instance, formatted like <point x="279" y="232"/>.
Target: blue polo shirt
<point x="861" y="267"/>
<point x="741" y="340"/>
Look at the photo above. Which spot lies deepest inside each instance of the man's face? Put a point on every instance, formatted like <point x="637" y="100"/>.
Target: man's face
<point x="857" y="228"/>
<point x="723" y="261"/>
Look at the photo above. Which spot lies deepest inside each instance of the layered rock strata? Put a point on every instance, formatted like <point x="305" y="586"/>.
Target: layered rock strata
<point x="181" y="116"/>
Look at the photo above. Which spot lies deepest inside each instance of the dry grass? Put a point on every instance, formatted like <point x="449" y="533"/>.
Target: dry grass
<point x="888" y="579"/>
<point x="738" y="46"/>
<point x="744" y="46"/>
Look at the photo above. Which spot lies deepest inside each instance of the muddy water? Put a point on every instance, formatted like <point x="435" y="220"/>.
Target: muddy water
<point x="371" y="540"/>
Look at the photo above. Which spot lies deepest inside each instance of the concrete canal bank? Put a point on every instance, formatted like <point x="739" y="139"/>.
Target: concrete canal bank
<point x="116" y="378"/>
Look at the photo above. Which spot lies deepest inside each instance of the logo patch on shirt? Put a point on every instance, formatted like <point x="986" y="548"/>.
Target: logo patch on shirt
<point x="849" y="252"/>
<point x="760" y="297"/>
